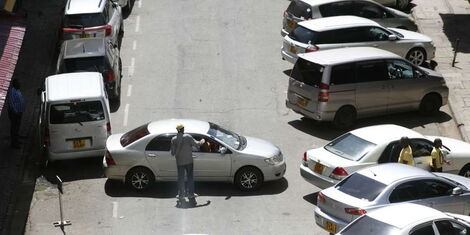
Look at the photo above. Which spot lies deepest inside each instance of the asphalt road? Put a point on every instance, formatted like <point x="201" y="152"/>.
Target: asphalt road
<point x="210" y="60"/>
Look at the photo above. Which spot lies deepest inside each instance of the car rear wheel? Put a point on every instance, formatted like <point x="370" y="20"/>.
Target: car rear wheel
<point x="416" y="56"/>
<point x="248" y="179"/>
<point x="345" y="117"/>
<point x="402" y="4"/>
<point x="465" y="171"/>
<point x="430" y="104"/>
<point x="140" y="178"/>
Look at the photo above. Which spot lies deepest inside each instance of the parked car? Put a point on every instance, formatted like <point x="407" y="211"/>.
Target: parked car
<point x="352" y="31"/>
<point x="368" y="146"/>
<point x="300" y="10"/>
<point x="142" y="156"/>
<point x="93" y="55"/>
<point x="341" y="85"/>
<point x="408" y="219"/>
<point x="385" y="184"/>
<point x="93" y="18"/>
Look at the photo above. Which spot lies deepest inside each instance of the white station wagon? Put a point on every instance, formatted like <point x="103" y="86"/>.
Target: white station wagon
<point x="142" y="156"/>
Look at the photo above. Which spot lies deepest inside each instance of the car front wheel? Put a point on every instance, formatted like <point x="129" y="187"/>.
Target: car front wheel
<point x="140" y="178"/>
<point x="416" y="56"/>
<point x="248" y="179"/>
<point x="465" y="172"/>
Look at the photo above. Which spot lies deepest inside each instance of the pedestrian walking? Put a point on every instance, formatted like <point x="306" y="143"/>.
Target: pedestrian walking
<point x="437" y="156"/>
<point x="406" y="153"/>
<point x="181" y="148"/>
<point x="16" y="106"/>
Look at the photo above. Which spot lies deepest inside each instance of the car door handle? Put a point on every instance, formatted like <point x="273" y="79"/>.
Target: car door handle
<point x="152" y="155"/>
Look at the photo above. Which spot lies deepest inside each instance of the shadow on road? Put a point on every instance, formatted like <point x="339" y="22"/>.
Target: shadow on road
<point x="169" y="190"/>
<point x="311" y="198"/>
<point x="453" y="29"/>
<point x="71" y="170"/>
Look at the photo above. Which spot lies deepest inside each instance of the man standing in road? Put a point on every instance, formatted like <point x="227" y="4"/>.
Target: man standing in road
<point x="181" y="148"/>
<point x="406" y="153"/>
<point x="16" y="108"/>
<point x="437" y="157"/>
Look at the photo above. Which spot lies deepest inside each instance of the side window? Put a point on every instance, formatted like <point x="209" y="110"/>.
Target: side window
<point x="209" y="146"/>
<point x="421" y="147"/>
<point x="376" y="34"/>
<point x="423" y="230"/>
<point x="330" y="37"/>
<point x="336" y="9"/>
<point x="342" y="74"/>
<point x="352" y="35"/>
<point x="435" y="188"/>
<point x="400" y="69"/>
<point x="391" y="153"/>
<point x="371" y="71"/>
<point x="160" y="143"/>
<point x="369" y="10"/>
<point x="447" y="227"/>
<point x="405" y="192"/>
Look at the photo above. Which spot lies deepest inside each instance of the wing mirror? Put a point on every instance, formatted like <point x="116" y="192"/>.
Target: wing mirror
<point x="222" y="150"/>
<point x="457" y="191"/>
<point x="392" y="37"/>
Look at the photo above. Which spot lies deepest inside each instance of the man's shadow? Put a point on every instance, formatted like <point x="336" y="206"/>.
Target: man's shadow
<point x="183" y="204"/>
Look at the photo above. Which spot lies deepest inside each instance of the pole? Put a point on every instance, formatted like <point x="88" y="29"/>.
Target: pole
<point x="62" y="222"/>
<point x="455" y="51"/>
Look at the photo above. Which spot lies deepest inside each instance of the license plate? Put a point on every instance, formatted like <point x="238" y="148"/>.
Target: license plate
<point x="84" y="35"/>
<point x="318" y="168"/>
<point x="330" y="227"/>
<point x="293" y="50"/>
<point x="291" y="24"/>
<point x="78" y="144"/>
<point x="301" y="101"/>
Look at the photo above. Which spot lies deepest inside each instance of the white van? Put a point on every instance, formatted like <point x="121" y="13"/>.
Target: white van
<point x="75" y="115"/>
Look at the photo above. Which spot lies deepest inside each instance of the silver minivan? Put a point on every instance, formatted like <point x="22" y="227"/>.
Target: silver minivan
<point x="343" y="84"/>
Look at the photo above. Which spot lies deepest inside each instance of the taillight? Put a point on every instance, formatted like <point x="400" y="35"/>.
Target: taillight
<point x="355" y="211"/>
<point x="109" y="159"/>
<point x="111" y="77"/>
<point x="320" y="197"/>
<point x="108" y="128"/>
<point x="311" y="48"/>
<point x="338" y="173"/>
<point x="305" y="157"/>
<point x="107" y="30"/>
<point x="323" y="95"/>
<point x="47" y="142"/>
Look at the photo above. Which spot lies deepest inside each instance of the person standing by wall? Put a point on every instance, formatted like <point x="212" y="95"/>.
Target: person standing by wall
<point x="16" y="107"/>
<point x="406" y="153"/>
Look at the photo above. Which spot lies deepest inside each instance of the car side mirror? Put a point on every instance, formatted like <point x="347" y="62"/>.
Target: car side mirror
<point x="392" y="37"/>
<point x="222" y="150"/>
<point x="457" y="191"/>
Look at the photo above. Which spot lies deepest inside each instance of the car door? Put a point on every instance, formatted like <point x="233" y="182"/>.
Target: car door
<point x="421" y="153"/>
<point x="209" y="161"/>
<point x="372" y="87"/>
<point x="157" y="153"/>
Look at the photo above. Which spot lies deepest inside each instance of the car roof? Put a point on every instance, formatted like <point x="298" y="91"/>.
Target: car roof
<point x="84" y="6"/>
<point x="388" y="173"/>
<point x="169" y="126"/>
<point x="401" y="215"/>
<point x="68" y="86"/>
<point x="336" y="22"/>
<point x="394" y="132"/>
<point x="84" y="47"/>
<point x="347" y="55"/>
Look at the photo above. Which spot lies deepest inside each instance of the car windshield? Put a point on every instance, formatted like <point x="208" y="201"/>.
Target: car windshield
<point x="303" y="35"/>
<point x="360" y="186"/>
<point x="367" y="225"/>
<point x="307" y="72"/>
<point x="397" y="33"/>
<point x="230" y="138"/>
<point x="134" y="135"/>
<point x="90" y="64"/>
<point x="76" y="112"/>
<point x="350" y="147"/>
<point x="84" y="20"/>
<point x="300" y="9"/>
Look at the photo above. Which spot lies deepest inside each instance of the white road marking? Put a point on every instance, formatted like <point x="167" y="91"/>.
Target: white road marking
<point x="126" y="115"/>
<point x="134" y="45"/>
<point x="115" y="209"/>
<point x="139" y="4"/>
<point x="129" y="90"/>
<point x="137" y="24"/>
<point x="131" y="67"/>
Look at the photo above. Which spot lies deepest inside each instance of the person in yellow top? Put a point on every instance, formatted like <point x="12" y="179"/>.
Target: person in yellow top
<point x="437" y="156"/>
<point x="406" y="153"/>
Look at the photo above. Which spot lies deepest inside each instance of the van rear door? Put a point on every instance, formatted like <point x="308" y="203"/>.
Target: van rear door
<point x="304" y="84"/>
<point x="77" y="126"/>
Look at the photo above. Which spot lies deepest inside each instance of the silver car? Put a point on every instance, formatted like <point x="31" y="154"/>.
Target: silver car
<point x="300" y="10"/>
<point x="352" y="31"/>
<point x="384" y="184"/>
<point x="142" y="156"/>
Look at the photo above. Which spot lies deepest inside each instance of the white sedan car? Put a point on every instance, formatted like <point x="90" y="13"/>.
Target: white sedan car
<point x="352" y="31"/>
<point x="327" y="165"/>
<point x="142" y="156"/>
<point x="408" y="219"/>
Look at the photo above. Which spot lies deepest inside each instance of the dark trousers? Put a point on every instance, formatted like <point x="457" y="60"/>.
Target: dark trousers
<point x="433" y="169"/>
<point x="189" y="188"/>
<point x="15" y="120"/>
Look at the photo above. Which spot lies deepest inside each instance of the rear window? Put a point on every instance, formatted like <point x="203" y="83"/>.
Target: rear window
<point x="303" y="35"/>
<point x="350" y="147"/>
<point x="84" y="20"/>
<point x="368" y="225"/>
<point x="89" y="64"/>
<point x="361" y="187"/>
<point x="134" y="135"/>
<point x="76" y="112"/>
<point x="300" y="9"/>
<point x="307" y="72"/>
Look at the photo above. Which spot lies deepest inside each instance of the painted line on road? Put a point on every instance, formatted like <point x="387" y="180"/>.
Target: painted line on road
<point x="139" y="4"/>
<point x="129" y="90"/>
<point x="126" y="115"/>
<point x="134" y="45"/>
<point x="137" y="24"/>
<point x="131" y="67"/>
<point x="115" y="209"/>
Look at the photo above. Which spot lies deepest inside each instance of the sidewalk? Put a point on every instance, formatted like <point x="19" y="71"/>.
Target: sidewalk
<point x="18" y="167"/>
<point x="445" y="21"/>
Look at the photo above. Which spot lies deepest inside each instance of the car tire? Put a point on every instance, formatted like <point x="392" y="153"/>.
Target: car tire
<point x="402" y="4"/>
<point x="140" y="178"/>
<point x="345" y="118"/>
<point x="430" y="104"/>
<point x="416" y="56"/>
<point x="465" y="171"/>
<point x="248" y="178"/>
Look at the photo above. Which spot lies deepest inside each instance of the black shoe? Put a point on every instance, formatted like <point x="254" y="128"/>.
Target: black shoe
<point x="192" y="202"/>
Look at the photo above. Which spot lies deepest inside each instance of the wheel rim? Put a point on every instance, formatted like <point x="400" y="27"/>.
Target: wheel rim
<point x="416" y="57"/>
<point x="402" y="4"/>
<point x="140" y="180"/>
<point x="248" y="179"/>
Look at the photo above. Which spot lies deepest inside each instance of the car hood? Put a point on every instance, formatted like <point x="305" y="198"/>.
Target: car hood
<point x="259" y="147"/>
<point x="410" y="35"/>
<point x="457" y="178"/>
<point x="114" y="142"/>
<point x="431" y="72"/>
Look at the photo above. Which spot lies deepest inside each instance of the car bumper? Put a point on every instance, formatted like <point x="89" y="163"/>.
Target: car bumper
<point x="316" y="179"/>
<point x="114" y="172"/>
<point x="274" y="172"/>
<point x="321" y="220"/>
<point x="53" y="156"/>
<point x="316" y="115"/>
<point x="289" y="56"/>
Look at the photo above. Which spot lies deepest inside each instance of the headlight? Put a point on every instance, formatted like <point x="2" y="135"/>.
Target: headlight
<point x="275" y="159"/>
